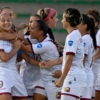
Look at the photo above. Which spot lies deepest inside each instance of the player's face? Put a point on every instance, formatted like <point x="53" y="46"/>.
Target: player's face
<point x="34" y="30"/>
<point x="64" y="22"/>
<point x="5" y="22"/>
<point x="32" y="19"/>
<point x="8" y="11"/>
<point x="53" y="21"/>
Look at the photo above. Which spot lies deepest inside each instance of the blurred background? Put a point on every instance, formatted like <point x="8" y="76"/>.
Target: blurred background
<point x="23" y="9"/>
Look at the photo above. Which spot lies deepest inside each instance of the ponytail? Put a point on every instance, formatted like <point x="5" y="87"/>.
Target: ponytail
<point x="92" y="33"/>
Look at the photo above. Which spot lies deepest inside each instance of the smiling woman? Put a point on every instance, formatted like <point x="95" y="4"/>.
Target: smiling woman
<point x="48" y="51"/>
<point x="8" y="51"/>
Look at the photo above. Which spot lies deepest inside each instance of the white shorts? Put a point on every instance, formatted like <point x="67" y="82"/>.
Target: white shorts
<point x="11" y="83"/>
<point x="30" y="92"/>
<point x="87" y="93"/>
<point x="72" y="91"/>
<point x="53" y="92"/>
<point x="97" y="84"/>
<point x="40" y="89"/>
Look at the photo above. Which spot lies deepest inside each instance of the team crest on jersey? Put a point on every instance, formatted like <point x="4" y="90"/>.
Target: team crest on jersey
<point x="84" y="44"/>
<point x="58" y="95"/>
<point x="66" y="89"/>
<point x="1" y="84"/>
<point x="39" y="46"/>
<point x="70" y="43"/>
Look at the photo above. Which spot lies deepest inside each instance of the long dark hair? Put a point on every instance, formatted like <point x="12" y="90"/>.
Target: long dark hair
<point x="91" y="27"/>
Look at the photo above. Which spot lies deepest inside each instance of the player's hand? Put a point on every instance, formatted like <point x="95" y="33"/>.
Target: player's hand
<point x="17" y="43"/>
<point x="59" y="83"/>
<point x="22" y="25"/>
<point x="43" y="64"/>
<point x="57" y="74"/>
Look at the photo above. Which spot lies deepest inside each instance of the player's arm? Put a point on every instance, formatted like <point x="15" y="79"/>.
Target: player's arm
<point x="48" y="64"/>
<point x="10" y="36"/>
<point x="27" y="48"/>
<point x="29" y="59"/>
<point x="7" y="56"/>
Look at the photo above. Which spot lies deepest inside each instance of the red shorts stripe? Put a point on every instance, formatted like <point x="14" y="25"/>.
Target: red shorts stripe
<point x="70" y="95"/>
<point x="5" y="93"/>
<point x="84" y="99"/>
<point x="40" y="87"/>
<point x="97" y="90"/>
<point x="71" y="53"/>
<point x="20" y="96"/>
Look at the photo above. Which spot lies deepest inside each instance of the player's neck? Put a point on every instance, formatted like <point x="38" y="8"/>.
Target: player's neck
<point x="71" y="29"/>
<point x="40" y="39"/>
<point x="83" y="32"/>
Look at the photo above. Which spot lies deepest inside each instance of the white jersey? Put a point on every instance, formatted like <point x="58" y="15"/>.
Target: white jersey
<point x="30" y="73"/>
<point x="47" y="51"/>
<point x="88" y="51"/>
<point x="8" y="47"/>
<point x="74" y="45"/>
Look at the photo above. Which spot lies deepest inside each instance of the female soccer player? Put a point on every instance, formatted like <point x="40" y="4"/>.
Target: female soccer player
<point x="87" y="29"/>
<point x="73" y="78"/>
<point x="93" y="13"/>
<point x="8" y="70"/>
<point x="48" y="51"/>
<point x="49" y="15"/>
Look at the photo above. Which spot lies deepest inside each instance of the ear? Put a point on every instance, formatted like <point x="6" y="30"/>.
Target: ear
<point x="96" y="23"/>
<point x="85" y="26"/>
<point x="40" y="32"/>
<point x="49" y="19"/>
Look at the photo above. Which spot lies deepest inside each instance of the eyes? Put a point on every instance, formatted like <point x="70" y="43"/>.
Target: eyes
<point x="5" y="20"/>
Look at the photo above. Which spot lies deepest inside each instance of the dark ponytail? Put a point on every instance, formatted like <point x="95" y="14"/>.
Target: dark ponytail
<point x="91" y="27"/>
<point x="92" y="33"/>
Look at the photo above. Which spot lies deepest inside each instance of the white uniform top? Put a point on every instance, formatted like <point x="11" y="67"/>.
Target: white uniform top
<point x="30" y="73"/>
<point x="74" y="45"/>
<point x="88" y="51"/>
<point x="97" y="61"/>
<point x="47" y="51"/>
<point x="8" y="47"/>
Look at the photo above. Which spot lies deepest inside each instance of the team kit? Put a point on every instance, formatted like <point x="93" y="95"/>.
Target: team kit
<point x="35" y="66"/>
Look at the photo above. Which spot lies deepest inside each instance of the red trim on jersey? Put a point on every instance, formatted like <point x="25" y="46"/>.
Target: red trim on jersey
<point x="44" y="39"/>
<point x="40" y="87"/>
<point x="98" y="46"/>
<point x="5" y="93"/>
<point x="97" y="90"/>
<point x="73" y="30"/>
<point x="20" y="96"/>
<point x="84" y="99"/>
<point x="29" y="41"/>
<point x="70" y="95"/>
<point x="30" y="96"/>
<point x="1" y="49"/>
<point x="32" y="48"/>
<point x="71" y="53"/>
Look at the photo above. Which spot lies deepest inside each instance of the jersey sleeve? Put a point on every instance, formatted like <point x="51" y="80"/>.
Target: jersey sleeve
<point x="71" y="45"/>
<point x="31" y="40"/>
<point x="86" y="46"/>
<point x="40" y="48"/>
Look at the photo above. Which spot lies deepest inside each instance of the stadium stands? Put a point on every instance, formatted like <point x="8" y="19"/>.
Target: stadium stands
<point x="55" y="1"/>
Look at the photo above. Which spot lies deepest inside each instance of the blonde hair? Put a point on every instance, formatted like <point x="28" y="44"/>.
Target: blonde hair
<point x="45" y="12"/>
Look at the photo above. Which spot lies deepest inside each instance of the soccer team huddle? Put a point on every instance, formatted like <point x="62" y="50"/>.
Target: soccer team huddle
<point x="35" y="66"/>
